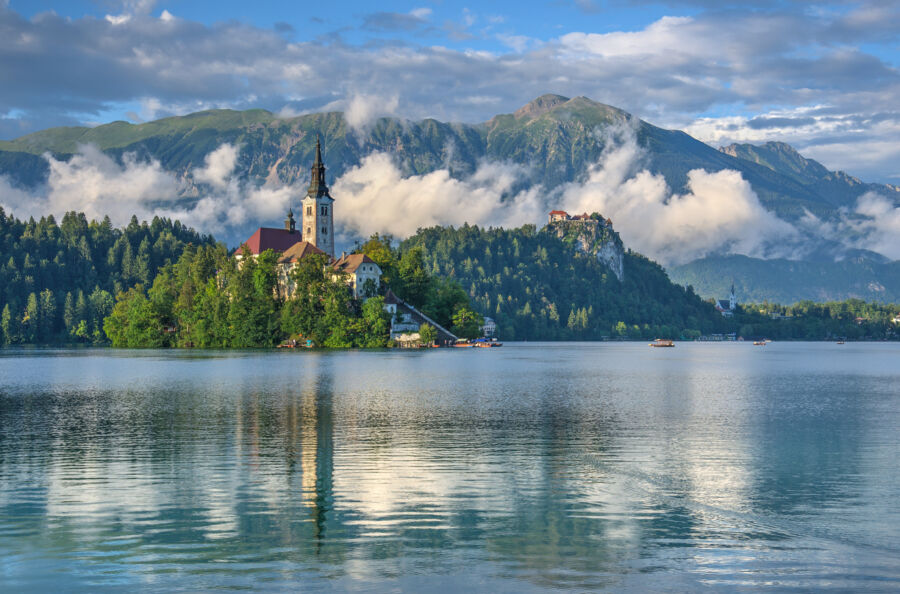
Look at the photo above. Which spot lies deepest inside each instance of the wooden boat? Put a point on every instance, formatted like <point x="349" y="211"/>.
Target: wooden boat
<point x="462" y="343"/>
<point x="759" y="342"/>
<point x="662" y="342"/>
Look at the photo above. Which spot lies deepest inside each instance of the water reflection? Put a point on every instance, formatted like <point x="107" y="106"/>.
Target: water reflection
<point x="533" y="467"/>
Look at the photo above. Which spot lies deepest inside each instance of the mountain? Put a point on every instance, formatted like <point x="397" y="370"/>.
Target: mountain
<point x="557" y="138"/>
<point x="833" y="187"/>
<point x="790" y="281"/>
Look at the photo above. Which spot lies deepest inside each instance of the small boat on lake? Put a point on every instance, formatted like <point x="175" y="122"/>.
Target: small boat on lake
<point x="760" y="342"/>
<point x="662" y="342"/>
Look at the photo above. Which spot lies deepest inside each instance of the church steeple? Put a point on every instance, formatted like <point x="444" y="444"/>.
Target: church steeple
<point x="317" y="187"/>
<point x="318" y="206"/>
<point x="289" y="223"/>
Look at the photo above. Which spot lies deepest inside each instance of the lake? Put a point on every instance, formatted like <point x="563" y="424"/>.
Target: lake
<point x="533" y="467"/>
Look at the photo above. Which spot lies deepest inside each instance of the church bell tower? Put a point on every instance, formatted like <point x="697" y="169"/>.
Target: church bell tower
<point x="318" y="208"/>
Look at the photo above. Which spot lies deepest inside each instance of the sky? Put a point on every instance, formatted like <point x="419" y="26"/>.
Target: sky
<point x="822" y="76"/>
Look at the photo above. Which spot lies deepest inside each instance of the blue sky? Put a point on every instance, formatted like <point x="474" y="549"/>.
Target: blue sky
<point x="822" y="76"/>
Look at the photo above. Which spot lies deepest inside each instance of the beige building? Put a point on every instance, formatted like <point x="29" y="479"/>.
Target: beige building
<point x="360" y="272"/>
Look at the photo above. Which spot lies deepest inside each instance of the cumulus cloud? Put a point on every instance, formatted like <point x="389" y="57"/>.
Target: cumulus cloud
<point x="212" y="199"/>
<point x="671" y="71"/>
<point x="879" y="225"/>
<point x="719" y="213"/>
<point x="375" y="197"/>
<point x="362" y="110"/>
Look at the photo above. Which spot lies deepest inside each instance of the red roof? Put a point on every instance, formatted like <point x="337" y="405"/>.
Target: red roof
<point x="562" y="212"/>
<point x="268" y="238"/>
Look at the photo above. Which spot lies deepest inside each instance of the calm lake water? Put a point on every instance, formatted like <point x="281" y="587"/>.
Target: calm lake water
<point x="532" y="467"/>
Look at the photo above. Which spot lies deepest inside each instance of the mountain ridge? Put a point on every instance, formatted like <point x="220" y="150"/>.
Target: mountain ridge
<point x="558" y="139"/>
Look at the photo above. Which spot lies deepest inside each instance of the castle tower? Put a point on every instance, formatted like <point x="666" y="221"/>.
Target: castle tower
<point x="318" y="211"/>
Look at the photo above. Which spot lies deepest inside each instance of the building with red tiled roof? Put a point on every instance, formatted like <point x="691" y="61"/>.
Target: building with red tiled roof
<point x="270" y="238"/>
<point x="558" y="215"/>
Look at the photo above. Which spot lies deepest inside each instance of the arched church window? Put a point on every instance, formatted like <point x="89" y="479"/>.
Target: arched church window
<point x="324" y="210"/>
<point x="324" y="230"/>
<point x="309" y="210"/>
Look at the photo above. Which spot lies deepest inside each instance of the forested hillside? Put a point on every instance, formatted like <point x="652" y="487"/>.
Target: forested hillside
<point x="538" y="287"/>
<point x="58" y="281"/>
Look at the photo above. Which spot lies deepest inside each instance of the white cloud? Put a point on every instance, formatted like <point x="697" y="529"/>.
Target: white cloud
<point x="217" y="167"/>
<point x="879" y="226"/>
<point x="362" y="110"/>
<point x="720" y="213"/>
<point x="674" y="70"/>
<point x="375" y="197"/>
<point x="94" y="183"/>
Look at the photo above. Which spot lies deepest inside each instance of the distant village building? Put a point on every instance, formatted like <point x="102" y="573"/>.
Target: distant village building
<point x="489" y="327"/>
<point x="726" y="307"/>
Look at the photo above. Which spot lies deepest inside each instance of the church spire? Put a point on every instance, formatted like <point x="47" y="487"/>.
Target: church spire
<point x="317" y="187"/>
<point x="289" y="223"/>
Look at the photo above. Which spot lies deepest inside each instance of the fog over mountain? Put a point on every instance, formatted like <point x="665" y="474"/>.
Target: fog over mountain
<point x="670" y="196"/>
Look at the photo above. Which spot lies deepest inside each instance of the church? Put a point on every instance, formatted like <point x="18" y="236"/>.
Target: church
<point x="315" y="236"/>
<point x="726" y="307"/>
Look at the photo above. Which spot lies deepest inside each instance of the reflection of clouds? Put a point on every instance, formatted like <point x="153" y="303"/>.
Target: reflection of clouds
<point x="84" y="491"/>
<point x="606" y="460"/>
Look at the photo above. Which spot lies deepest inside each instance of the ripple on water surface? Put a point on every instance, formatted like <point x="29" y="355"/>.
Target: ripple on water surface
<point x="531" y="467"/>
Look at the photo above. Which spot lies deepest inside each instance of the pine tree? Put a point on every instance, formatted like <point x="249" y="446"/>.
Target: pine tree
<point x="69" y="312"/>
<point x="141" y="268"/>
<point x="81" y="309"/>
<point x="47" y="306"/>
<point x="6" y="329"/>
<point x="30" y="319"/>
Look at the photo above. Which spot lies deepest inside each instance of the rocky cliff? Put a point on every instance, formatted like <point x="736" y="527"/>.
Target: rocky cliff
<point x="594" y="236"/>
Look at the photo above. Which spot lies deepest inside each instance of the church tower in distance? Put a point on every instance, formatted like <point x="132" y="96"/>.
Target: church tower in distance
<point x="318" y="209"/>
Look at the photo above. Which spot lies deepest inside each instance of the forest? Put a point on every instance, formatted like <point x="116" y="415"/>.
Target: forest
<point x="537" y="287"/>
<point x="58" y="281"/>
<point x="852" y="319"/>
<point x="161" y="284"/>
<point x="208" y="300"/>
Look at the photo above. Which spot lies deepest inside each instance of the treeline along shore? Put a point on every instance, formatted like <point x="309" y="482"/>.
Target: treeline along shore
<point x="161" y="284"/>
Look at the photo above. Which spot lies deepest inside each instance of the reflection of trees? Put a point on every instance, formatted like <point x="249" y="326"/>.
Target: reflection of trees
<point x="566" y="526"/>
<point x="808" y="455"/>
